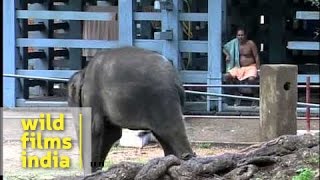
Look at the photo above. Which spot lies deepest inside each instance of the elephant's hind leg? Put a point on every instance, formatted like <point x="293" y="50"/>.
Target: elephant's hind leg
<point x="104" y="135"/>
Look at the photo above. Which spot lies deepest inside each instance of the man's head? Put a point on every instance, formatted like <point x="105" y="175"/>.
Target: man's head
<point x="241" y="34"/>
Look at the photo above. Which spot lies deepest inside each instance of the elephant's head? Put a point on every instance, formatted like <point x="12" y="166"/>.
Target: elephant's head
<point x="74" y="89"/>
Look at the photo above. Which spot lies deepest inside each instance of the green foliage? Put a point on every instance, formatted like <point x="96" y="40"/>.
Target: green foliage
<point x="304" y="174"/>
<point x="314" y="2"/>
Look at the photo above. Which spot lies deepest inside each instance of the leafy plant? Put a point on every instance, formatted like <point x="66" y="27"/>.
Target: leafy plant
<point x="314" y="2"/>
<point x="304" y="174"/>
<point x="317" y="4"/>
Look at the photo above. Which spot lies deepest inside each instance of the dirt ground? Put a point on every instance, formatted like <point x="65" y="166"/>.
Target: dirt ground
<point x="14" y="171"/>
<point x="287" y="157"/>
<point x="119" y="154"/>
<point x="218" y="130"/>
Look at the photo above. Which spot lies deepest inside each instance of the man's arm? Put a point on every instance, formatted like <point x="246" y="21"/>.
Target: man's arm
<point x="227" y="54"/>
<point x="255" y="54"/>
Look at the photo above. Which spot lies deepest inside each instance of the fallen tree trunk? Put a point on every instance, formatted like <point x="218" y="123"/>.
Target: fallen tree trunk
<point x="276" y="159"/>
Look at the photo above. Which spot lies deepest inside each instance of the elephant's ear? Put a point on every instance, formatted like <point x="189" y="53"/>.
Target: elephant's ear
<point x="74" y="89"/>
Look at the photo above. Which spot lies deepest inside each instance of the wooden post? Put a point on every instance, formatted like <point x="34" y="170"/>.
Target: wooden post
<point x="278" y="100"/>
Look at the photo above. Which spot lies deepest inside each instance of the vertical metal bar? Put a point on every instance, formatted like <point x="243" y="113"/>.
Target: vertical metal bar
<point x="126" y="22"/>
<point x="75" y="32"/>
<point x="9" y="52"/>
<point x="277" y="47"/>
<point x="44" y="63"/>
<point x="214" y="49"/>
<point x="24" y="51"/>
<point x="170" y="21"/>
<point x="307" y="101"/>
<point x="50" y="57"/>
<point x="224" y="21"/>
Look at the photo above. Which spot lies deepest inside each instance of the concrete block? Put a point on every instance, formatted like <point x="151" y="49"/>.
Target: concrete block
<point x="167" y="35"/>
<point x="135" y="138"/>
<point x="278" y="100"/>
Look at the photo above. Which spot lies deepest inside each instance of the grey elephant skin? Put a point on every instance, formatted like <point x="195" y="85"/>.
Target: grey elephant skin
<point x="131" y="88"/>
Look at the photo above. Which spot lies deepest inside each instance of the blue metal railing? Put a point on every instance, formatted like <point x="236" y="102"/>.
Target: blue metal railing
<point x="187" y="91"/>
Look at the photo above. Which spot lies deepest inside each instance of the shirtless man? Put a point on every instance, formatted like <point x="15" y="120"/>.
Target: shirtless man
<point x="248" y="59"/>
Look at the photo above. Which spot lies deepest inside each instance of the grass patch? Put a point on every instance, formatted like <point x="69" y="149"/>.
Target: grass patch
<point x="204" y="145"/>
<point x="142" y="161"/>
<point x="107" y="164"/>
<point x="304" y="174"/>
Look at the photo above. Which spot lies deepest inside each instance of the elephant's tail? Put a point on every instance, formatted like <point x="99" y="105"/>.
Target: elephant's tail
<point x="75" y="89"/>
<point x="181" y="94"/>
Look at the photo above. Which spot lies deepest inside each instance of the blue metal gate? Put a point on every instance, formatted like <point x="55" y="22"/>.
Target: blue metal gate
<point x="171" y="48"/>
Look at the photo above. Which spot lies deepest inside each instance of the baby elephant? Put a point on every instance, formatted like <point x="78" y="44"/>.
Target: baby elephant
<point x="135" y="89"/>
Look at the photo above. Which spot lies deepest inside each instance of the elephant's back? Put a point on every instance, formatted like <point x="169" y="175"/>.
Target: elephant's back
<point x="133" y="65"/>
